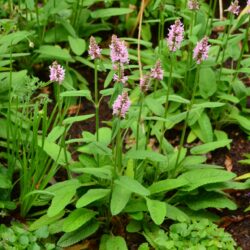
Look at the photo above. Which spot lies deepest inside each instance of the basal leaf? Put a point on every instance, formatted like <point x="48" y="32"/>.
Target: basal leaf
<point x="108" y="12"/>
<point x="77" y="218"/>
<point x="157" y="210"/>
<point x="78" y="45"/>
<point x="91" y="196"/>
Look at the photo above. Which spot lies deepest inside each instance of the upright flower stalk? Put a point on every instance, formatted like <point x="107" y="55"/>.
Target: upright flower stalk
<point x="233" y="10"/>
<point x="174" y="40"/>
<point x="120" y="109"/>
<point x="95" y="54"/>
<point x="200" y="54"/>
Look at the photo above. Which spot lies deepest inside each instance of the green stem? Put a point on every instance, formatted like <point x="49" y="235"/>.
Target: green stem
<point x="96" y="107"/>
<point x="138" y="122"/>
<point x="241" y="52"/>
<point x="166" y="103"/>
<point x="118" y="157"/>
<point x="187" y="116"/>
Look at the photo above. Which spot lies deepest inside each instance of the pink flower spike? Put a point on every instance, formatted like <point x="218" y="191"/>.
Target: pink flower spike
<point x="123" y="79"/>
<point x="94" y="49"/>
<point x="175" y="36"/>
<point x="201" y="50"/>
<point x="157" y="71"/>
<point x="57" y="73"/>
<point x="118" y="51"/>
<point x="234" y="7"/>
<point x="144" y="83"/>
<point x="193" y="5"/>
<point x="121" y="105"/>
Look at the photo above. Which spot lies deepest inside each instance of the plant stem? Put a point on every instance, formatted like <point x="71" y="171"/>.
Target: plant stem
<point x="118" y="157"/>
<point x="138" y="121"/>
<point x="241" y="52"/>
<point x="187" y="116"/>
<point x="166" y="102"/>
<point x="96" y="107"/>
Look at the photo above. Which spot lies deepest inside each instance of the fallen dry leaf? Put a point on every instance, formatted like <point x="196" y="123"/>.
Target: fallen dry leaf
<point x="228" y="163"/>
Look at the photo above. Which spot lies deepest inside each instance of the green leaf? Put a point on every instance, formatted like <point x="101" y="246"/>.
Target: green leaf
<point x="132" y="185"/>
<point x="91" y="196"/>
<point x="166" y="185"/>
<point x="206" y="128"/>
<point x="208" y="105"/>
<point x="154" y="105"/>
<point x="144" y="154"/>
<point x="81" y="233"/>
<point x="54" y="52"/>
<point x="79" y="118"/>
<point x="45" y="220"/>
<point x="62" y="198"/>
<point x="119" y="199"/>
<point x="101" y="13"/>
<point x="210" y="200"/>
<point x="55" y="133"/>
<point x="5" y="182"/>
<point x="207" y="82"/>
<point x="77" y="93"/>
<point x="210" y="146"/>
<point x="77" y="45"/>
<point x="176" y="214"/>
<point x="244" y="176"/>
<point x="116" y="243"/>
<point x="103" y="172"/>
<point x="157" y="210"/>
<point x="201" y="177"/>
<point x="77" y="218"/>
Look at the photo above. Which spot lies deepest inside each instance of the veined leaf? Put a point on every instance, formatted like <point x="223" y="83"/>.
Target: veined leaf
<point x="78" y="118"/>
<point x="91" y="196"/>
<point x="157" y="210"/>
<point x="144" y="154"/>
<point x="45" y="220"/>
<point x="78" y="45"/>
<point x="166" y="185"/>
<point x="210" y="146"/>
<point x="110" y="12"/>
<point x="210" y="200"/>
<point x="116" y="243"/>
<point x="200" y="177"/>
<point x="81" y="233"/>
<point x="77" y="218"/>
<point x="119" y="199"/>
<point x="78" y="93"/>
<point x="132" y="185"/>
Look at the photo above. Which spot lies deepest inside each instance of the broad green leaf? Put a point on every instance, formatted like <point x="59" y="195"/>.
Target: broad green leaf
<point x="45" y="220"/>
<point x="103" y="172"/>
<point x="176" y="98"/>
<point x="54" y="52"/>
<point x="176" y="214"/>
<point x="132" y="185"/>
<point x="78" y="45"/>
<point x="229" y="98"/>
<point x="55" y="133"/>
<point x="243" y="121"/>
<point x="166" y="185"/>
<point x="201" y="177"/>
<point x="62" y="198"/>
<point x="210" y="146"/>
<point x="208" y="105"/>
<point x="116" y="243"/>
<point x="145" y="154"/>
<point x="56" y="152"/>
<point x="77" y="218"/>
<point x="119" y="199"/>
<point x="157" y="210"/>
<point x="154" y="105"/>
<point x="81" y="233"/>
<point x="79" y="118"/>
<point x="5" y="182"/>
<point x="91" y="196"/>
<point x="207" y="82"/>
<point x="101" y="13"/>
<point x="206" y="127"/>
<point x="210" y="200"/>
<point x="105" y="134"/>
<point x="77" y="93"/>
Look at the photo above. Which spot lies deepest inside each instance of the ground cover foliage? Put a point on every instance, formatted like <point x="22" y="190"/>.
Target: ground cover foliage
<point x="169" y="76"/>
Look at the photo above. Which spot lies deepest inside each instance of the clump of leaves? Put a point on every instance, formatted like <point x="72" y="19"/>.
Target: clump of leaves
<point x="18" y="237"/>
<point x="200" y="235"/>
